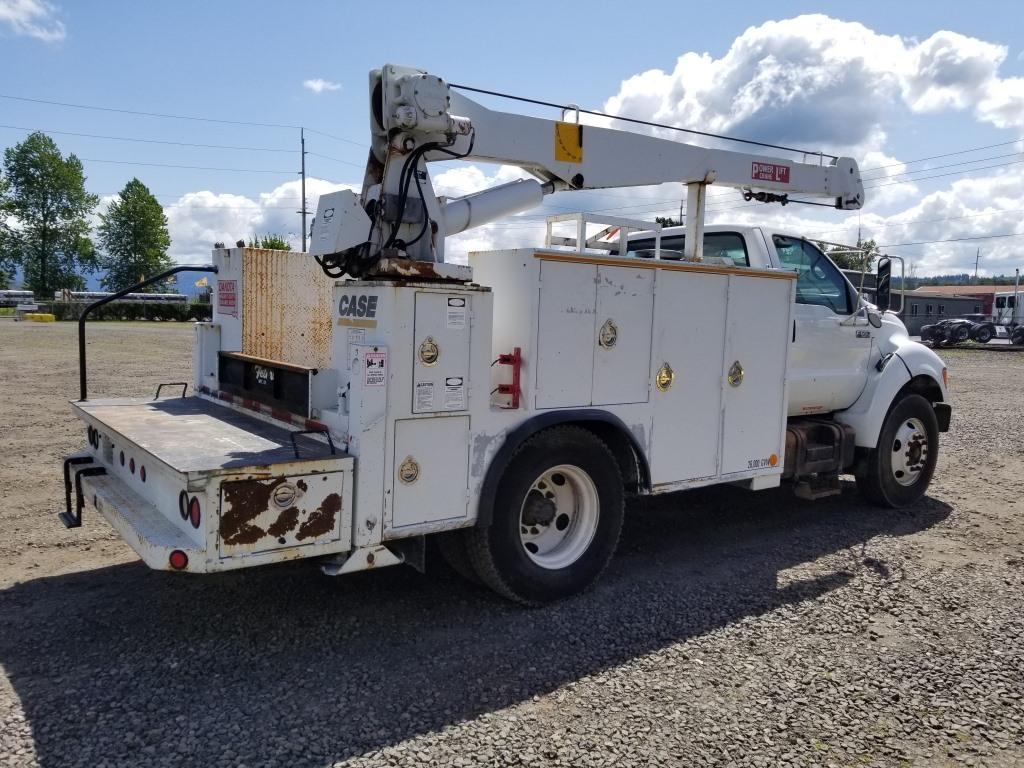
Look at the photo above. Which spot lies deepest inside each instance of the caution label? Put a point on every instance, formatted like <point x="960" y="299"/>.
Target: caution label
<point x="568" y="143"/>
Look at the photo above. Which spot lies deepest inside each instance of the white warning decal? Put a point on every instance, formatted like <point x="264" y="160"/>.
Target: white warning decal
<point x="424" y="395"/>
<point x="376" y="369"/>
<point x="454" y="394"/>
<point x="456" y="315"/>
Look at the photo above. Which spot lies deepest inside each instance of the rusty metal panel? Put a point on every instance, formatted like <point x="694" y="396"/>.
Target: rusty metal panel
<point x="286" y="308"/>
<point x="261" y="514"/>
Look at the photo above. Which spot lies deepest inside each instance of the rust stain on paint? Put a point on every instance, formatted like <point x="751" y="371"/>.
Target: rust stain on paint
<point x="322" y="519"/>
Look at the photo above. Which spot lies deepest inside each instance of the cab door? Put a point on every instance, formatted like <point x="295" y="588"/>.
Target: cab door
<point x="829" y="349"/>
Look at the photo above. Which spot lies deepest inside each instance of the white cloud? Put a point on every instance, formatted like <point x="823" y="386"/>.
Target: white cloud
<point x="824" y="83"/>
<point x="32" y="18"/>
<point x="319" y="85"/>
<point x="199" y="219"/>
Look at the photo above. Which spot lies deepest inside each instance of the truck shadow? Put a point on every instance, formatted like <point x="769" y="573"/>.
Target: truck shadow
<point x="284" y="665"/>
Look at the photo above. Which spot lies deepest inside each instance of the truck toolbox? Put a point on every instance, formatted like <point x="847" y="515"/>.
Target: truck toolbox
<point x="192" y="484"/>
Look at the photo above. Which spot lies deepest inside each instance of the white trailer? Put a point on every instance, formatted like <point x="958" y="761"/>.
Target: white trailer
<point x="351" y="403"/>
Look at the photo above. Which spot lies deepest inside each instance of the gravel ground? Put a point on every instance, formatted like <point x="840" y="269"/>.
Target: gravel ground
<point x="731" y="629"/>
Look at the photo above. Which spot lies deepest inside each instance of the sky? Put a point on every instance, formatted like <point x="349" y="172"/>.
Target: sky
<point x="928" y="97"/>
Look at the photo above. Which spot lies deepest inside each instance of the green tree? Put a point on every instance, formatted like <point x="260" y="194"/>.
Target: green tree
<point x="133" y="235"/>
<point x="844" y="259"/>
<point x="46" y="200"/>
<point x="667" y="221"/>
<point x="273" y="242"/>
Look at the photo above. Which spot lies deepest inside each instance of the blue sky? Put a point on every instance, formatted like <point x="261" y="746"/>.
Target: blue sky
<point x="886" y="82"/>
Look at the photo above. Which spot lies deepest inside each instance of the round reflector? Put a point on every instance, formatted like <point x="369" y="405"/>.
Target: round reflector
<point x="178" y="560"/>
<point x="131" y="466"/>
<point x="183" y="505"/>
<point x="142" y="473"/>
<point x="122" y="458"/>
<point x="193" y="512"/>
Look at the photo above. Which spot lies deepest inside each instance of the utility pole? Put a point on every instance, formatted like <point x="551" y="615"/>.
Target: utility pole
<point x="977" y="256"/>
<point x="302" y="144"/>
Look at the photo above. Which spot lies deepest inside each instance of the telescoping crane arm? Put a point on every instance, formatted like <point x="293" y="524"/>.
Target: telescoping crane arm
<point x="416" y="118"/>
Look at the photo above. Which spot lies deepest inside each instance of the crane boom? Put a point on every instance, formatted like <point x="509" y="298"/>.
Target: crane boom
<point x="416" y="118"/>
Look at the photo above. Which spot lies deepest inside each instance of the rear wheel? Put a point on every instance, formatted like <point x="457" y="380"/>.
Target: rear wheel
<point x="897" y="472"/>
<point x="961" y="333"/>
<point x="984" y="334"/>
<point x="1017" y="337"/>
<point x="557" y="517"/>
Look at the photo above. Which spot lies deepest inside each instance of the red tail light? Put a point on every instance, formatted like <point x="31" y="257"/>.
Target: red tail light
<point x="178" y="560"/>
<point x="194" y="515"/>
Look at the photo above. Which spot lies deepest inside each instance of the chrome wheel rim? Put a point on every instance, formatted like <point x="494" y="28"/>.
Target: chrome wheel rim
<point x="558" y="517"/>
<point x="910" y="451"/>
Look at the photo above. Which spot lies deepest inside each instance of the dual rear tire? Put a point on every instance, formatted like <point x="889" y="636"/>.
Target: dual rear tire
<point x="556" y="521"/>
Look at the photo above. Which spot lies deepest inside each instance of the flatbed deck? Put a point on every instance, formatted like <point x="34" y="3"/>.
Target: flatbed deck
<point x="197" y="435"/>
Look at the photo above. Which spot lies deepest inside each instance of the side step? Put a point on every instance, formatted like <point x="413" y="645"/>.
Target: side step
<point x="818" y="487"/>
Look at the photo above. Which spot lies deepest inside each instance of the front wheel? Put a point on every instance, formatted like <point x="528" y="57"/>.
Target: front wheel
<point x="557" y="517"/>
<point x="897" y="472"/>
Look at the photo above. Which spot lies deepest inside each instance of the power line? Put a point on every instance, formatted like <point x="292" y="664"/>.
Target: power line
<point x="946" y="154"/>
<point x="148" y="141"/>
<point x="948" y="165"/>
<point x="942" y="175"/>
<point x="168" y="116"/>
<point x="190" y="167"/>
<point x="335" y="159"/>
<point x="953" y="240"/>
<point x="148" y="114"/>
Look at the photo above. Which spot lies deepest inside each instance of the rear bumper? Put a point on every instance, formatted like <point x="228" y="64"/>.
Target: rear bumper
<point x="146" y="530"/>
<point x="943" y="414"/>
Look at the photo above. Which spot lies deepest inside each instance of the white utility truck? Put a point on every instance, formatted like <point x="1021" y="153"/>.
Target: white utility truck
<point x="351" y="402"/>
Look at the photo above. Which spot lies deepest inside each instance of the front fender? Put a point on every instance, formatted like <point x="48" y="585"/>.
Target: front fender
<point x="904" y="360"/>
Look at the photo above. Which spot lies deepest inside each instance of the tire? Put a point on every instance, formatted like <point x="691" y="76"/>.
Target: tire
<point x="557" y="518"/>
<point x="452" y="547"/>
<point x="1017" y="337"/>
<point x="984" y="334"/>
<point x="960" y="334"/>
<point x="896" y="474"/>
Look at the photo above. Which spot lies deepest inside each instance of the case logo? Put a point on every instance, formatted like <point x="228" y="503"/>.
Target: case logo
<point x="357" y="306"/>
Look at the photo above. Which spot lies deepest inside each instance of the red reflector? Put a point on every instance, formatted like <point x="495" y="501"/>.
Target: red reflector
<point x="131" y="466"/>
<point x="142" y="473"/>
<point x="193" y="512"/>
<point x="178" y="560"/>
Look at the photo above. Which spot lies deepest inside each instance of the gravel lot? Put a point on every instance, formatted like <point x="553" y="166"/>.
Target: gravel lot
<point x="731" y="629"/>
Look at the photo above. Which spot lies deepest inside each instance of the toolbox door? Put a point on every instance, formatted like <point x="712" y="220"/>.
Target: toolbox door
<point x="686" y="361"/>
<point x="622" y="347"/>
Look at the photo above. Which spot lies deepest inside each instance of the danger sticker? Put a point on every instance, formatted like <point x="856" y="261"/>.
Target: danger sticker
<point x="770" y="172"/>
<point x="227" y="297"/>
<point x="454" y="394"/>
<point x="456" y="316"/>
<point x="375" y="373"/>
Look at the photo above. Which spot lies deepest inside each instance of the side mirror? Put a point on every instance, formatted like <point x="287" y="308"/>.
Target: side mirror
<point x="883" y="287"/>
<point x="875" y="318"/>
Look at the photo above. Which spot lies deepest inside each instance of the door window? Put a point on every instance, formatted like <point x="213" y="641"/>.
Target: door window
<point x="818" y="280"/>
<point x="729" y="245"/>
